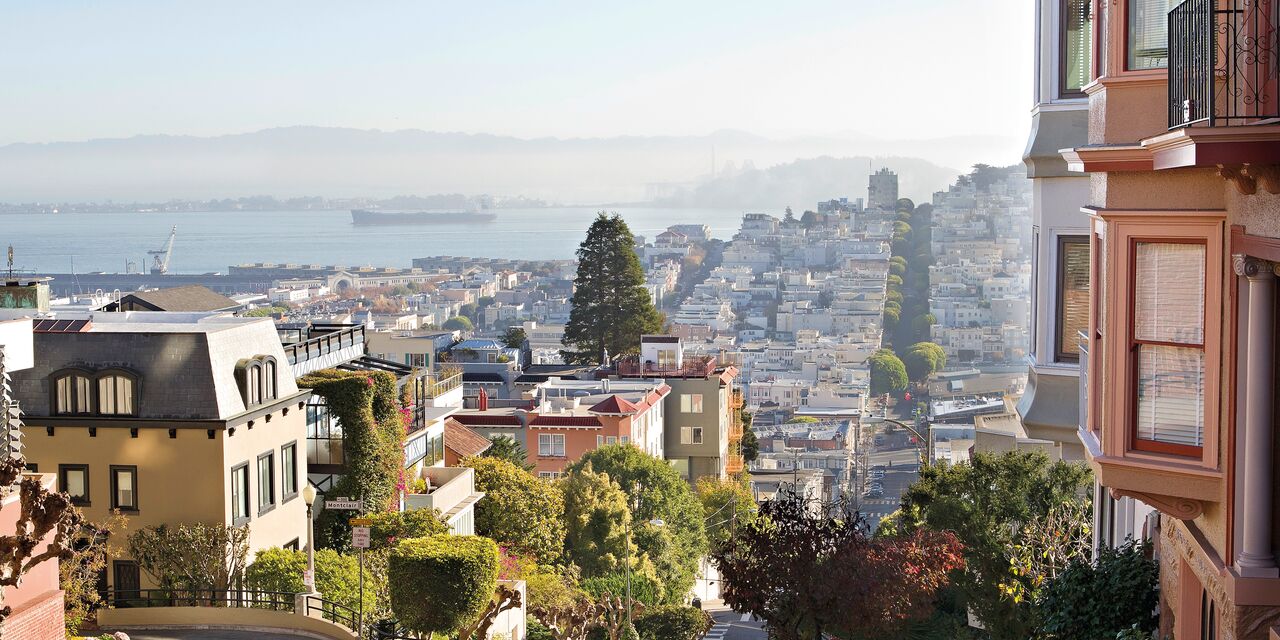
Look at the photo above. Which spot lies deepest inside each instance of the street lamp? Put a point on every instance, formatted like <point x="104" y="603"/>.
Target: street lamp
<point x="309" y="498"/>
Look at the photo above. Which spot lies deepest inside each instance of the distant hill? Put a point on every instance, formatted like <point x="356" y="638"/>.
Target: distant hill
<point x="338" y="162"/>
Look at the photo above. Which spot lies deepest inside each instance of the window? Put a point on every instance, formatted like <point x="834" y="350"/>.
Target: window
<point x="549" y="475"/>
<point x="240" y="494"/>
<point x="611" y="440"/>
<point x="324" y="434"/>
<point x="690" y="435"/>
<point x="1072" y="315"/>
<point x="551" y="445"/>
<point x="599" y="441"/>
<point x="1167" y="341"/>
<point x="72" y="394"/>
<point x="258" y="380"/>
<point x="124" y="488"/>
<point x="1075" y="47"/>
<point x="270" y="381"/>
<point x="289" y="470"/>
<point x="255" y="384"/>
<point x="74" y="480"/>
<point x="1148" y="37"/>
<point x="293" y="545"/>
<point x="691" y="403"/>
<point x="266" y="482"/>
<point x="115" y="395"/>
<point x="624" y="439"/>
<point x="1208" y="616"/>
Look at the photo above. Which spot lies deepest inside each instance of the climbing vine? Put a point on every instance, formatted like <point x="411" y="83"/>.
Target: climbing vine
<point x="368" y="406"/>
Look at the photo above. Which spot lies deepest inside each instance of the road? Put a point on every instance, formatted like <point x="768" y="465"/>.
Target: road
<point x="900" y="458"/>
<point x="730" y="625"/>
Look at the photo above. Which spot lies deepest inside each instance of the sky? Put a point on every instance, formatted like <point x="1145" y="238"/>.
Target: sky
<point x="75" y="70"/>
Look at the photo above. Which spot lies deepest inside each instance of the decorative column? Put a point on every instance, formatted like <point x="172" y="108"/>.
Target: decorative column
<point x="1255" y="559"/>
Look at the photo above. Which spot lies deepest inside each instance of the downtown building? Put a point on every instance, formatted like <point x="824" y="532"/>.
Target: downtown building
<point x="1182" y="222"/>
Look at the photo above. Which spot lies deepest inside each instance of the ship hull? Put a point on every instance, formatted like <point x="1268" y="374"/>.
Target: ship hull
<point x="366" y="217"/>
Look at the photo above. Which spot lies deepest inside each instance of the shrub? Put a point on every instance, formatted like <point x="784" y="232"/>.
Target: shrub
<point x="535" y="631"/>
<point x="337" y="575"/>
<point x="1072" y="608"/>
<point x="440" y="583"/>
<point x="644" y="588"/>
<point x="673" y="622"/>
<point x="519" y="509"/>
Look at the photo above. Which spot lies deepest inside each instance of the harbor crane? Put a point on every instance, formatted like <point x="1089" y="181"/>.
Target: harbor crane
<point x="160" y="257"/>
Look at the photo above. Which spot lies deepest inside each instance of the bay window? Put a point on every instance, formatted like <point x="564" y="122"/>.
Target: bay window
<point x="1075" y="47"/>
<point x="1073" y="296"/>
<point x="1147" y="37"/>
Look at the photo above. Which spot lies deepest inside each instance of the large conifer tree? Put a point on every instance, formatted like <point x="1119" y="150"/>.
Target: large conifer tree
<point x="611" y="307"/>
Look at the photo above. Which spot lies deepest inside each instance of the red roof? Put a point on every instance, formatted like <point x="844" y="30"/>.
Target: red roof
<point x="614" y="405"/>
<point x="487" y="419"/>
<point x="564" y="421"/>
<point x="464" y="441"/>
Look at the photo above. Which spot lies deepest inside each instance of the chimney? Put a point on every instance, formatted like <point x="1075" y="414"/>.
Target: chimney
<point x="482" y="402"/>
<point x="604" y="384"/>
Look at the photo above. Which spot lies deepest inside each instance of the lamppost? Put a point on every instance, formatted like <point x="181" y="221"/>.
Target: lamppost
<point x="309" y="498"/>
<point x="657" y="522"/>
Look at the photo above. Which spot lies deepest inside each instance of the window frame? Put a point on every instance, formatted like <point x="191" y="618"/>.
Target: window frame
<point x="287" y="492"/>
<point x="134" y="383"/>
<point x="62" y="483"/>
<point x="695" y="399"/>
<point x="245" y="498"/>
<point x="1127" y="42"/>
<point x="72" y="373"/>
<point x="1061" y="90"/>
<point x="551" y="445"/>
<point x="115" y="471"/>
<point x="272" y="496"/>
<point x="1063" y="344"/>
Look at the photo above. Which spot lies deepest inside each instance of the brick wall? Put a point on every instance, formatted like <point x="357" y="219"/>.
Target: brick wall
<point x="40" y="620"/>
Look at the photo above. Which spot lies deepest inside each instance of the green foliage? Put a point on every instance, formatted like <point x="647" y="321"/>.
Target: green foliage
<point x="519" y="510"/>
<point x="514" y="338"/>
<point x="78" y="570"/>
<point x="986" y="502"/>
<point x="644" y="588"/>
<point x="611" y="307"/>
<point x="368" y="406"/>
<point x="389" y="526"/>
<point x="263" y="312"/>
<point x="506" y="448"/>
<point x="658" y="492"/>
<point x="922" y="324"/>
<point x="894" y="280"/>
<point x="468" y="310"/>
<point x="893" y="297"/>
<point x="485" y="302"/>
<point x="888" y="374"/>
<point x="891" y="317"/>
<point x="901" y="228"/>
<point x="458" y="323"/>
<point x="536" y="631"/>
<point x="191" y="557"/>
<point x="441" y="583"/>
<point x="725" y="504"/>
<point x="596" y="520"/>
<point x="923" y="359"/>
<point x="802" y="420"/>
<point x="337" y="575"/>
<point x="750" y="445"/>
<point x="673" y="622"/>
<point x="905" y="204"/>
<point x="1072" y="608"/>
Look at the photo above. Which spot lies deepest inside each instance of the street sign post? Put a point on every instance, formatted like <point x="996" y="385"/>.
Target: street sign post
<point x="360" y="522"/>
<point x="344" y="504"/>
<point x="360" y="537"/>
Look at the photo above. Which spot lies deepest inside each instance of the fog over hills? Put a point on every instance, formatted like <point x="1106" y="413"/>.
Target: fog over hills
<point x="340" y="162"/>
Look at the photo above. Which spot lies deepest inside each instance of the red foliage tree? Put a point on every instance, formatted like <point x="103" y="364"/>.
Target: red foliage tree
<point x="809" y="568"/>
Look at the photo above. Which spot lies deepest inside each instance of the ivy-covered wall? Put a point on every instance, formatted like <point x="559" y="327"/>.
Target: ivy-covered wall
<point x="373" y="427"/>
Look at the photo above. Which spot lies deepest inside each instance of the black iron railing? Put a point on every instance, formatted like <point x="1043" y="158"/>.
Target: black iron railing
<point x="333" y="340"/>
<point x="1224" y="62"/>
<point x="334" y="612"/>
<point x="248" y="599"/>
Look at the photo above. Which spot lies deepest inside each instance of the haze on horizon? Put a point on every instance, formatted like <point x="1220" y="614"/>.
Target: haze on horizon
<point x="861" y="77"/>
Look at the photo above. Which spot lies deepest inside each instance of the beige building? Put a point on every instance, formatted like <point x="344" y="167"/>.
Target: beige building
<point x="169" y="418"/>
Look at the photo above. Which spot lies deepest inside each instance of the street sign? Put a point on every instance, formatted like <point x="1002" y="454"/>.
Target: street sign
<point x="308" y="578"/>
<point x="344" y="504"/>
<point x="360" y="537"/>
<point x="360" y="522"/>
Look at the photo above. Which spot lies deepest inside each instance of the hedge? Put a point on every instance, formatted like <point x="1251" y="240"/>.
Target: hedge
<point x="440" y="583"/>
<point x="337" y="575"/>
<point x="673" y="622"/>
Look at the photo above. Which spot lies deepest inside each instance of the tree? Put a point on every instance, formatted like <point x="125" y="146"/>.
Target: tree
<point x="726" y="504"/>
<point x="514" y="338"/>
<point x="1072" y="608"/>
<point x="905" y="204"/>
<point x="504" y="598"/>
<point x="505" y="447"/>
<point x="809" y="568"/>
<point x="924" y="359"/>
<point x="894" y="280"/>
<point x="789" y="217"/>
<point x="458" y="323"/>
<point x="596" y="520"/>
<point x="337" y="575"/>
<point x="922" y="324"/>
<point x="809" y="219"/>
<point x="556" y="601"/>
<point x="987" y="502"/>
<point x="442" y="583"/>
<point x="673" y="622"/>
<point x="385" y="529"/>
<point x="88" y="547"/>
<point x="485" y="301"/>
<point x="888" y="375"/>
<point x="891" y="316"/>
<point x="655" y="491"/>
<point x="750" y="445"/>
<point x="518" y="509"/>
<point x="194" y="558"/>
<point x="611" y="307"/>
<point x="898" y="269"/>
<point x="469" y="310"/>
<point x="42" y="514"/>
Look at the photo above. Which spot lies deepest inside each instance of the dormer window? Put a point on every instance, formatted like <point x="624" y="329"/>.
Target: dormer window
<point x="258" y="380"/>
<point x="116" y="395"/>
<point x="73" y="394"/>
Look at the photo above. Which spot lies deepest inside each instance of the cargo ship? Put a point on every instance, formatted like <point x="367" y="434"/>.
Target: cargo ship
<point x="367" y="216"/>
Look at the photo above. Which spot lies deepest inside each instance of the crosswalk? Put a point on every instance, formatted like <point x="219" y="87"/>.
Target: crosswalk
<point x="717" y="632"/>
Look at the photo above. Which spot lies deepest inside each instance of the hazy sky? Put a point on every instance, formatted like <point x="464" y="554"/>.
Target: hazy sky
<point x="891" y="68"/>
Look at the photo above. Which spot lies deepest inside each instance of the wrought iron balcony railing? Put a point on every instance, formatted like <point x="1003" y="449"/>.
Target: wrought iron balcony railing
<point x="1224" y="63"/>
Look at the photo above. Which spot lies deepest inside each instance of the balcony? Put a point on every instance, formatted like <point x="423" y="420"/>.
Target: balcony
<point x="1224" y="63"/>
<point x="734" y="464"/>
<point x="692" y="367"/>
<point x="736" y="401"/>
<point x="327" y="346"/>
<point x="452" y="492"/>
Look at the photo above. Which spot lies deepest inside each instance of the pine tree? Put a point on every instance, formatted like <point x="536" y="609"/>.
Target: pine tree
<point x="611" y="307"/>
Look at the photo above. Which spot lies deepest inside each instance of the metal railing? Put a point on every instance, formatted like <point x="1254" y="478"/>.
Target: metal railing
<point x="325" y="344"/>
<point x="234" y="598"/>
<point x="693" y="366"/>
<point x="334" y="612"/>
<point x="1224" y="62"/>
